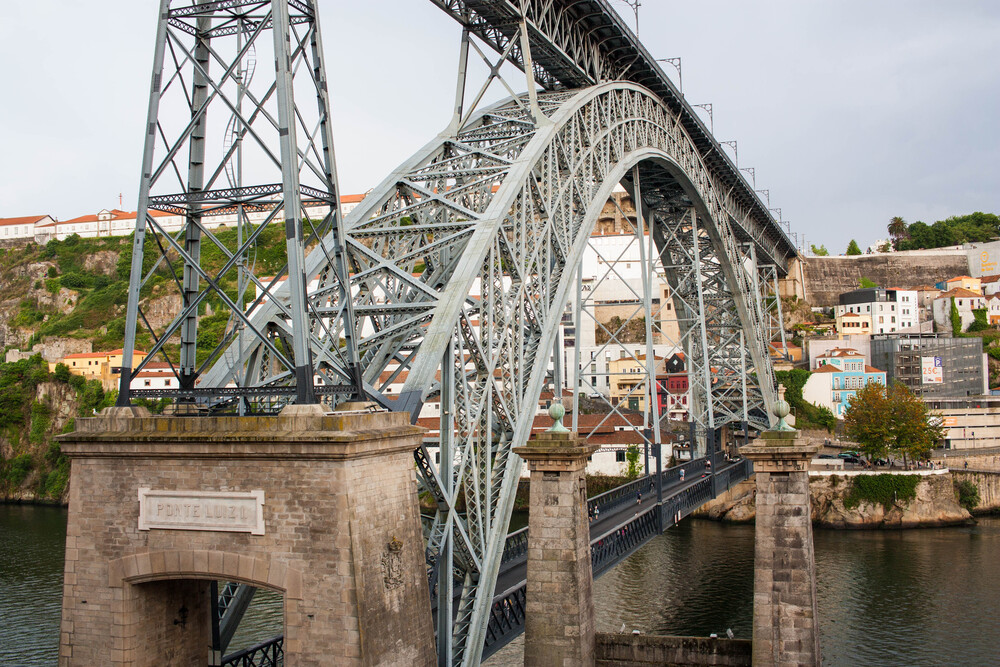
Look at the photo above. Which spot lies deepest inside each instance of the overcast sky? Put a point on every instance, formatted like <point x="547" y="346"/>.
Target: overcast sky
<point x="851" y="111"/>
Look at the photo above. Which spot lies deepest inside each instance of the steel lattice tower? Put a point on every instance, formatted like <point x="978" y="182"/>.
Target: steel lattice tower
<point x="228" y="144"/>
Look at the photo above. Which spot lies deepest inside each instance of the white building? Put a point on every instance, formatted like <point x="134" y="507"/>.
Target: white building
<point x="21" y="229"/>
<point x="965" y="301"/>
<point x="891" y="310"/>
<point x="114" y="222"/>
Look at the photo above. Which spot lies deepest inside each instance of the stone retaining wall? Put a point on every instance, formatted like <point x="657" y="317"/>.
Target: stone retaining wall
<point x="988" y="483"/>
<point x="622" y="650"/>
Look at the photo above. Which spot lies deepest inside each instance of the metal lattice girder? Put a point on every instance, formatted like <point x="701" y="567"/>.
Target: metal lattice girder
<point x="229" y="147"/>
<point x="462" y="262"/>
<point x="579" y="43"/>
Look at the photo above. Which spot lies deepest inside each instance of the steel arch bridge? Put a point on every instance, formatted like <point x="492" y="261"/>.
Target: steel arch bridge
<point x="511" y="205"/>
<point x="457" y="270"/>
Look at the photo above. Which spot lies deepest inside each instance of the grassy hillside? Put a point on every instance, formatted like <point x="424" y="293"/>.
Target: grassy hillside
<point x="78" y="289"/>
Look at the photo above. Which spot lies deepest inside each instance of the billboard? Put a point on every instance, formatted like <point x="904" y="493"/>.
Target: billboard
<point x="984" y="260"/>
<point x="932" y="371"/>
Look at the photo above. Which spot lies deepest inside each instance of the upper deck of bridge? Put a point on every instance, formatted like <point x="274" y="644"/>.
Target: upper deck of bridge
<point x="578" y="43"/>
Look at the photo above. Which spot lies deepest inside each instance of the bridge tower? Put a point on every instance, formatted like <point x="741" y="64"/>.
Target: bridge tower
<point x="238" y="159"/>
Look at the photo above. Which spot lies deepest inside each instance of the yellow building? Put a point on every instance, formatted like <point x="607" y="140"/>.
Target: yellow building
<point x="100" y="365"/>
<point x="965" y="282"/>
<point x="854" y="324"/>
<point x="627" y="381"/>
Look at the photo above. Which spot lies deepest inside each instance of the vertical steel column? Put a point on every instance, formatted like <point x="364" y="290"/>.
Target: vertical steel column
<point x="529" y="70"/>
<point x="297" y="280"/>
<point x="445" y="592"/>
<point x="781" y="317"/>
<point x="743" y="375"/>
<point x="346" y="302"/>
<point x="195" y="184"/>
<point x="463" y="68"/>
<point x="646" y="262"/>
<point x="707" y="365"/>
<point x="138" y="241"/>
<point x="577" y="307"/>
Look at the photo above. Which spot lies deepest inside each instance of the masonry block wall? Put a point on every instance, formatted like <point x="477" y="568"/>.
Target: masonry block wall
<point x="560" y="626"/>
<point x="784" y="606"/>
<point x="342" y="539"/>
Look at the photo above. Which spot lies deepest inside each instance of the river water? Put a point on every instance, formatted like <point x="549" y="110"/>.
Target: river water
<point x="918" y="597"/>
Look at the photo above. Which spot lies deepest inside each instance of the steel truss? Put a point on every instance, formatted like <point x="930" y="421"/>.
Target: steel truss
<point x="462" y="262"/>
<point x="271" y="157"/>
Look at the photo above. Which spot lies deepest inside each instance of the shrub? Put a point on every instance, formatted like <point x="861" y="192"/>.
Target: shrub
<point x="968" y="494"/>
<point x="885" y="489"/>
<point x="18" y="469"/>
<point x="62" y="372"/>
<point x="52" y="272"/>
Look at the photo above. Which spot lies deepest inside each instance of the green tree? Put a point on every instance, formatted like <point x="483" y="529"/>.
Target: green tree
<point x="897" y="230"/>
<point x="891" y="420"/>
<point x="865" y="283"/>
<point x="632" y="469"/>
<point x="820" y="251"/>
<point x="866" y="420"/>
<point x="852" y="248"/>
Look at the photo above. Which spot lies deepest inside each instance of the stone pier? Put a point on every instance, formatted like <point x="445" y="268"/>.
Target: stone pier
<point x="319" y="507"/>
<point x="784" y="597"/>
<point x="560" y="608"/>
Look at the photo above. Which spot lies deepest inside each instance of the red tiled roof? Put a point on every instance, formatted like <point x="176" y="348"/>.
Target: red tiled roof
<point x="827" y="368"/>
<point x="961" y="293"/>
<point x="27" y="220"/>
<point x="872" y="369"/>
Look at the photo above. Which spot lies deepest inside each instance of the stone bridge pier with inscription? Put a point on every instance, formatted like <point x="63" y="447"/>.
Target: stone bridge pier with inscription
<point x="319" y="507"/>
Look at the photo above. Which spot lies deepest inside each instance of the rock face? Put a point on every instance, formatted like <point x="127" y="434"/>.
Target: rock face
<point x="935" y="505"/>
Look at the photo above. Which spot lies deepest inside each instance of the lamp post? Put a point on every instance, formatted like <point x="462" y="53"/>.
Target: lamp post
<point x="711" y="117"/>
<point x="676" y="64"/>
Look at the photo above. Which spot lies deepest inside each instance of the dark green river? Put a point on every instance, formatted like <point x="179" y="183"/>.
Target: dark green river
<point x="917" y="597"/>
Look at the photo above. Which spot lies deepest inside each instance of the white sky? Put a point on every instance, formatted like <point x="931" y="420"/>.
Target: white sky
<point x="851" y="111"/>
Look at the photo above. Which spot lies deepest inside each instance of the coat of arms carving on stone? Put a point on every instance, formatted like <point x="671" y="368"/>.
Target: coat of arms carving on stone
<point x="392" y="564"/>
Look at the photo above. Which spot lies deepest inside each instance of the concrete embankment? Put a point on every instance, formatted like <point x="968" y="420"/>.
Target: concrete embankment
<point x="935" y="503"/>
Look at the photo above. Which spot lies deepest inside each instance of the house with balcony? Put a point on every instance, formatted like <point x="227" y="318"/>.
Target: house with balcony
<point x="839" y="374"/>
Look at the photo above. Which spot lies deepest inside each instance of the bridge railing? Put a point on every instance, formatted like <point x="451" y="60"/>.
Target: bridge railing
<point x="626" y="493"/>
<point x="615" y="545"/>
<point x="506" y="618"/>
<point x="515" y="548"/>
<point x="269" y="653"/>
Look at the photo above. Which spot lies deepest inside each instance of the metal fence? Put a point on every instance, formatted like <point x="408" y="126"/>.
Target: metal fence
<point x="269" y="653"/>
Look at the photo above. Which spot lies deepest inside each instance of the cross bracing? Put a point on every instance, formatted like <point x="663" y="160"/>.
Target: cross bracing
<point x="456" y="271"/>
<point x="461" y="266"/>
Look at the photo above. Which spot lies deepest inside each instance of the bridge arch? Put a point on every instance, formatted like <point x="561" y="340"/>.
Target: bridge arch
<point x="461" y="265"/>
<point x="162" y="601"/>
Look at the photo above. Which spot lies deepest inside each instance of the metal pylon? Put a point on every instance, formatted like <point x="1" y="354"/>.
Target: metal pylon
<point x="232" y="167"/>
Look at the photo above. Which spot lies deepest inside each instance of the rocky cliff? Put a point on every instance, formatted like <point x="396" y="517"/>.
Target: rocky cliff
<point x="935" y="504"/>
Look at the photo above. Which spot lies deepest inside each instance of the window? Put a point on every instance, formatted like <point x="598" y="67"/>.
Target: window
<point x="146" y="383"/>
<point x="620" y="456"/>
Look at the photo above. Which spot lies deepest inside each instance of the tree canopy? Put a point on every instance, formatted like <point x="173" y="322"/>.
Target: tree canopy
<point x="852" y="248"/>
<point x="890" y="420"/>
<point x="971" y="228"/>
<point x="821" y="251"/>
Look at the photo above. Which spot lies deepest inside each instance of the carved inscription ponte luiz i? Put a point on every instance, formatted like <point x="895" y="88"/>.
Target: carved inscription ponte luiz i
<point x="240" y="512"/>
